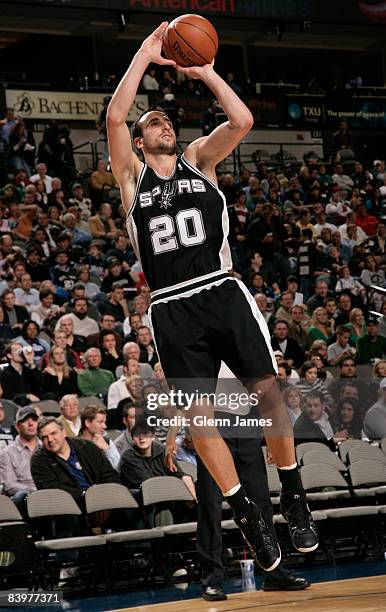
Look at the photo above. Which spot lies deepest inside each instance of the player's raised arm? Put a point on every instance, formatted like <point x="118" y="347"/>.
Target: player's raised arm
<point x="210" y="150"/>
<point x="124" y="162"/>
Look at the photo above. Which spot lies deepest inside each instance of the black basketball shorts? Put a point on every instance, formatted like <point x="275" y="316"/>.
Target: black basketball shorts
<point x="198" y="327"/>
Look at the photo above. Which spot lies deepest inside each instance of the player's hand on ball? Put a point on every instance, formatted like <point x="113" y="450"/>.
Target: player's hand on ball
<point x="152" y="46"/>
<point x="196" y="72"/>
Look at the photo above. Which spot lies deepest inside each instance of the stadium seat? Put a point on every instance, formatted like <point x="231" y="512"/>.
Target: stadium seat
<point x="345" y="446"/>
<point x="370" y="473"/>
<point x="366" y="451"/>
<point x="18" y="558"/>
<point x="55" y="503"/>
<point x="167" y="489"/>
<point x="188" y="468"/>
<point x="90" y="400"/>
<point x="322" y="476"/>
<point x="8" y="510"/>
<point x="323" y="457"/>
<point x="48" y="407"/>
<point x="310" y="446"/>
<point x="383" y="445"/>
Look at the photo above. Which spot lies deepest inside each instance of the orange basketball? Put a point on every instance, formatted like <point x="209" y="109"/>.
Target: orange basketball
<point x="190" y="40"/>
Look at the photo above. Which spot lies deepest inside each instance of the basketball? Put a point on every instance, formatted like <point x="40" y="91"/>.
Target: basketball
<point x="190" y="40"/>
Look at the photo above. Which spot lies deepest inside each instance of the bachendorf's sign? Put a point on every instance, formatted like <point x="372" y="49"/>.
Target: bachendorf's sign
<point x="68" y="105"/>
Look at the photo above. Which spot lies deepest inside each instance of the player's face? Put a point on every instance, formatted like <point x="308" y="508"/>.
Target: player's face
<point x="157" y="134"/>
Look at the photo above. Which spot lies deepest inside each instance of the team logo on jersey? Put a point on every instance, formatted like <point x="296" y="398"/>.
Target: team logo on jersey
<point x="167" y="194"/>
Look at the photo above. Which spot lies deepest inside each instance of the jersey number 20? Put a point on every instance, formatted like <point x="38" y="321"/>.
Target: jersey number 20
<point x="190" y="229"/>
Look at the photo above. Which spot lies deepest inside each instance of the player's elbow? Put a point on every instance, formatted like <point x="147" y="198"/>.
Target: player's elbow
<point x="246" y="120"/>
<point x="114" y="117"/>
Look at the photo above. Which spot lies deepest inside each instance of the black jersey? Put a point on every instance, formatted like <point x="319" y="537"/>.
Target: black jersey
<point x="178" y="226"/>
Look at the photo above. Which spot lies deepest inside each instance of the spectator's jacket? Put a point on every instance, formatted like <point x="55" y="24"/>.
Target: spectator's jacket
<point x="292" y="351"/>
<point x="21" y="314"/>
<point x="306" y="430"/>
<point x="16" y="385"/>
<point x="95" y="381"/>
<point x="51" y="472"/>
<point x="368" y="350"/>
<point x="135" y="468"/>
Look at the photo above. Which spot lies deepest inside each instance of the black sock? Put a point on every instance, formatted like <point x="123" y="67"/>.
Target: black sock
<point x="290" y="480"/>
<point x="238" y="502"/>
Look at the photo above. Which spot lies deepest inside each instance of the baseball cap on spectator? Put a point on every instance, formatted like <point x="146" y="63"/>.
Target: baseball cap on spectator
<point x="113" y="262"/>
<point x="60" y="252"/>
<point x="76" y="185"/>
<point x="376" y="162"/>
<point x="382" y="384"/>
<point x="24" y="413"/>
<point x="278" y="354"/>
<point x="372" y="321"/>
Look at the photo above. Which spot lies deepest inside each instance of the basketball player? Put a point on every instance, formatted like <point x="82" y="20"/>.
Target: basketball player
<point x="178" y="224"/>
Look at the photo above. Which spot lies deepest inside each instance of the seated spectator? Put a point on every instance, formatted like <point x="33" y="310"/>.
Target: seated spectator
<point x="340" y="349"/>
<point x="129" y="385"/>
<point x="26" y="295"/>
<point x="121" y="250"/>
<point x="83" y="325"/>
<point x="109" y="347"/>
<point x="36" y="267"/>
<point x="58" y="379"/>
<point x="284" y="311"/>
<point x="348" y="283"/>
<point x="70" y="464"/>
<point x="15" y="459"/>
<point x="380" y="369"/>
<point x="372" y="274"/>
<point x="130" y="414"/>
<point x="63" y="274"/>
<point x="79" y="291"/>
<point x="41" y="174"/>
<point x="94" y="429"/>
<point x="100" y="179"/>
<point x="349" y="418"/>
<point x="30" y="338"/>
<point x="46" y="309"/>
<point x="14" y="315"/>
<point x="281" y="341"/>
<point x="313" y="425"/>
<point x="73" y="359"/>
<point x="94" y="380"/>
<point x="262" y="304"/>
<point x="78" y="198"/>
<point x="372" y="345"/>
<point x="117" y="304"/>
<point x="83" y="278"/>
<point x="321" y="294"/>
<point x="134" y="322"/>
<point x="310" y="382"/>
<point x="299" y="324"/>
<point x="294" y="400"/>
<point x="6" y="429"/>
<point x="146" y="458"/>
<point x="75" y="342"/>
<point x="20" y="379"/>
<point x="131" y="351"/>
<point x="118" y="276"/>
<point x="149" y="81"/>
<point x="357" y="325"/>
<point x="146" y="344"/>
<point x="320" y="329"/>
<point x="70" y="415"/>
<point x="102" y="225"/>
<point x="344" y="309"/>
<point x="107" y="323"/>
<point x="374" y="423"/>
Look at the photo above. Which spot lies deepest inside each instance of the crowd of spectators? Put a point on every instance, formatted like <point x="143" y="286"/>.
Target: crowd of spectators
<point x="309" y="245"/>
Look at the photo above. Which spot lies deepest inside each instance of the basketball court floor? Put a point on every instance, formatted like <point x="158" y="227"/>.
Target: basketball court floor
<point x="358" y="595"/>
